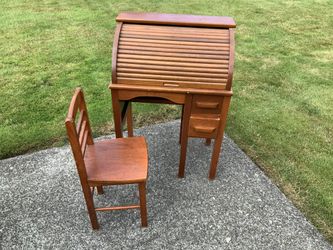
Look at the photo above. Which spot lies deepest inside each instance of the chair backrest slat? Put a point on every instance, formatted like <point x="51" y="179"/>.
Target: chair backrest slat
<point x="79" y="131"/>
<point x="84" y="143"/>
<point x="82" y="132"/>
<point x="79" y="122"/>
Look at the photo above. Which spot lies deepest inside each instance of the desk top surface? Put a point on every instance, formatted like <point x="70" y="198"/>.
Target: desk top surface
<point x="177" y="19"/>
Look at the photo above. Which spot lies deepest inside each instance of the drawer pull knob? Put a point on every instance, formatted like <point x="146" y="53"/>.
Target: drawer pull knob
<point x="201" y="129"/>
<point x="207" y="105"/>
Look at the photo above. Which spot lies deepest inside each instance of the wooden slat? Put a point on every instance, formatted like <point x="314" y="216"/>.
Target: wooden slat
<point x="79" y="122"/>
<point x="157" y="41"/>
<point x="181" y="46"/>
<point x="176" y="32"/>
<point x="171" y="77"/>
<point x="84" y="142"/>
<point x="103" y="209"/>
<point x="170" y="67"/>
<point x="82" y="131"/>
<point x="167" y="63"/>
<point x="171" y="37"/>
<point x="169" y="72"/>
<point x="179" y="33"/>
<point x="169" y="58"/>
<point x="170" y="54"/>
<point x="188" y="30"/>
<point x="203" y="52"/>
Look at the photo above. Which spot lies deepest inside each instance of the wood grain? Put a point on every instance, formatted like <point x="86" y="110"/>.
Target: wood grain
<point x="176" y="19"/>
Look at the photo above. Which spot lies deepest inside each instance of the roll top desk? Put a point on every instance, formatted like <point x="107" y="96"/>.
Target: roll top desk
<point x="175" y="59"/>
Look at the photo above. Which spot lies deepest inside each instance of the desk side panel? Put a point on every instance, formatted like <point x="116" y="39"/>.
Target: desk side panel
<point x="115" y="51"/>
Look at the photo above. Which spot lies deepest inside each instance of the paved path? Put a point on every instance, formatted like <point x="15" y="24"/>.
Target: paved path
<point x="42" y="204"/>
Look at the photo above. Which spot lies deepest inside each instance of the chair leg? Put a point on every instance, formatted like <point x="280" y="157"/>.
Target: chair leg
<point x="143" y="206"/>
<point x="208" y="141"/>
<point x="100" y="190"/>
<point x="90" y="206"/>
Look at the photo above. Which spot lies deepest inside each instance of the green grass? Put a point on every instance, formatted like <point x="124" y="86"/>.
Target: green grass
<point x="281" y="112"/>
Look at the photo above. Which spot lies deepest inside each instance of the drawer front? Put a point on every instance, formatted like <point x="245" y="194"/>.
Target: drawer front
<point x="206" y="104"/>
<point x="204" y="127"/>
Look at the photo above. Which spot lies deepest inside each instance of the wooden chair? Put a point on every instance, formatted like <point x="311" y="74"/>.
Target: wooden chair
<point x="107" y="162"/>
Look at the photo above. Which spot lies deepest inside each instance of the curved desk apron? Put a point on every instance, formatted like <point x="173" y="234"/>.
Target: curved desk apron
<point x="175" y="59"/>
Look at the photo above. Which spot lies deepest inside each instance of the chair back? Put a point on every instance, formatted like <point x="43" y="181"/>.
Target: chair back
<point x="78" y="129"/>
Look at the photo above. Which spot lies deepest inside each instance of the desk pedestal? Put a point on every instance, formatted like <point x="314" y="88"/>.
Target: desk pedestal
<point x="203" y="116"/>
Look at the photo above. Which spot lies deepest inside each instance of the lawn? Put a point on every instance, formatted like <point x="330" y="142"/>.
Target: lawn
<point x="281" y="113"/>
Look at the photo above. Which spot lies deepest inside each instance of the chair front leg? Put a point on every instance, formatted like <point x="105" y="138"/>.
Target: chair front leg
<point x="143" y="205"/>
<point x="90" y="206"/>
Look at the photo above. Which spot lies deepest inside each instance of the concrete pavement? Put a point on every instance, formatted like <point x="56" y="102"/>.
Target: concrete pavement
<point x="42" y="205"/>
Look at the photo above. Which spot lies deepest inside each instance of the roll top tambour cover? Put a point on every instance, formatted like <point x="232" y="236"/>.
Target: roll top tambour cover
<point x="173" y="51"/>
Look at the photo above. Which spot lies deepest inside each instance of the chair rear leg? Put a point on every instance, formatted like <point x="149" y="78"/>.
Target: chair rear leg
<point x="100" y="190"/>
<point x="90" y="206"/>
<point x="143" y="205"/>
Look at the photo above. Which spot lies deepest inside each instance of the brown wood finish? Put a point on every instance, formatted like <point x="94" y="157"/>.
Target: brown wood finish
<point x="231" y="58"/>
<point x="167" y="29"/>
<point x="176" y="19"/>
<point x="107" y="162"/>
<point x="146" y="45"/>
<point x="175" y="68"/>
<point x="132" y="94"/>
<point x="100" y="190"/>
<point x="180" y="59"/>
<point x="169" y="83"/>
<point x="206" y="104"/>
<point x="129" y="120"/>
<point x="115" y="53"/>
<point x="184" y="134"/>
<point x="117" y="114"/>
<point x="155" y="90"/>
<point x="203" y="126"/>
<point x="219" y="137"/>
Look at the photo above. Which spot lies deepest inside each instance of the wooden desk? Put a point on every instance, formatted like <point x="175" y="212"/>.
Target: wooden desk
<point x="175" y="59"/>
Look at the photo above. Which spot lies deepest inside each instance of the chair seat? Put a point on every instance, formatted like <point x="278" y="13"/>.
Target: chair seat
<point x="117" y="161"/>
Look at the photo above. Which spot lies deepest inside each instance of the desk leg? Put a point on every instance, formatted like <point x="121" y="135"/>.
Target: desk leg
<point x="219" y="138"/>
<point x="184" y="135"/>
<point x="129" y="118"/>
<point x="116" y="114"/>
<point x="181" y="124"/>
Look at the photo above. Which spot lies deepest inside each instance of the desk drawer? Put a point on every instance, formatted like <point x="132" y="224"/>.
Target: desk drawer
<point x="206" y="104"/>
<point x="204" y="126"/>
